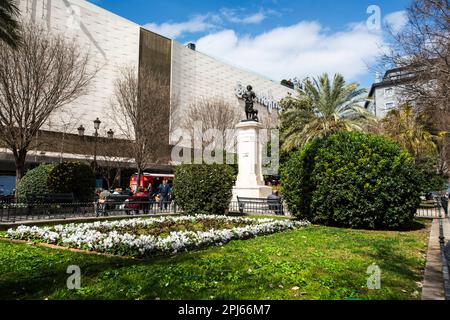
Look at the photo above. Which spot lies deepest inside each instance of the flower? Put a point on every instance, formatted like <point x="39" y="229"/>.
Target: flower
<point x="105" y="236"/>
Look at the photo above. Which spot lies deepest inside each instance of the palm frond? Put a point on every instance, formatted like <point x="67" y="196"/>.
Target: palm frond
<point x="323" y="108"/>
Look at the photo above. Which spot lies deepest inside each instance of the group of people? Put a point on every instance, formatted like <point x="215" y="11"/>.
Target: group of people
<point x="162" y="196"/>
<point x="142" y="196"/>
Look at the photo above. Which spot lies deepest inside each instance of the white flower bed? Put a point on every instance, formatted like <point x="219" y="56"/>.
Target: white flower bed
<point x="89" y="237"/>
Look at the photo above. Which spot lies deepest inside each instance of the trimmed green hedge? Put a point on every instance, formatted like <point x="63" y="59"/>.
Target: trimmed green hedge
<point x="34" y="182"/>
<point x="353" y="180"/>
<point x="204" y="188"/>
<point x="73" y="177"/>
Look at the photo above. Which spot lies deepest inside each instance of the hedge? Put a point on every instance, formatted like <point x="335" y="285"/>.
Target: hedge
<point x="203" y="188"/>
<point x="34" y="181"/>
<point x="73" y="177"/>
<point x="353" y="180"/>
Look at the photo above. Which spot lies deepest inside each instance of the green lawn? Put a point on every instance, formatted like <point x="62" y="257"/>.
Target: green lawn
<point x="311" y="263"/>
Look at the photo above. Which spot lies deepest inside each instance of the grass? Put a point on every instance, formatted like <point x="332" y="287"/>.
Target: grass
<point x="311" y="263"/>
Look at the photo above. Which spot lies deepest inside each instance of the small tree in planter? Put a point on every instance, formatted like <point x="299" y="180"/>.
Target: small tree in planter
<point x="204" y="188"/>
<point x="73" y="177"/>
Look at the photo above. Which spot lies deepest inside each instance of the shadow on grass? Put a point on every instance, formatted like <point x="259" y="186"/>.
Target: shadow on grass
<point x="38" y="280"/>
<point x="415" y="225"/>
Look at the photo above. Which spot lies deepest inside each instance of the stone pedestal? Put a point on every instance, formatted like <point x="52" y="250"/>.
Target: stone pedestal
<point x="250" y="181"/>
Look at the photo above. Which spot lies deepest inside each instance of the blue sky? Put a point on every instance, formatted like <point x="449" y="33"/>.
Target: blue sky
<point x="276" y="38"/>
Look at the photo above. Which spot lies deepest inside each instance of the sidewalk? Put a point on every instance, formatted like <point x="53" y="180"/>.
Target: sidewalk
<point x="433" y="284"/>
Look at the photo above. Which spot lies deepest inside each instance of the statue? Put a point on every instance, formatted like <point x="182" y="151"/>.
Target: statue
<point x="248" y="97"/>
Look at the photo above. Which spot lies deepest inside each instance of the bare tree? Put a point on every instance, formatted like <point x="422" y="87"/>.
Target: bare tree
<point x="112" y="162"/>
<point x="215" y="114"/>
<point x="421" y="51"/>
<point x="41" y="76"/>
<point x="141" y="109"/>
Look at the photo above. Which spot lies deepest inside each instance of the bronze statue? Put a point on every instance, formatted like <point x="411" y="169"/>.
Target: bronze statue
<point x="250" y="111"/>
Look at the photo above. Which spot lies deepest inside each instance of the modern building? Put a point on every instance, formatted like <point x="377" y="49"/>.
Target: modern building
<point x="115" y="43"/>
<point x="389" y="92"/>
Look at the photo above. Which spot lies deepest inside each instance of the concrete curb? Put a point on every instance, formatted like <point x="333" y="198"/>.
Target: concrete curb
<point x="433" y="283"/>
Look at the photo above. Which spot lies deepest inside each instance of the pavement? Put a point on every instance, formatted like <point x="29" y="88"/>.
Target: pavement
<point x="435" y="271"/>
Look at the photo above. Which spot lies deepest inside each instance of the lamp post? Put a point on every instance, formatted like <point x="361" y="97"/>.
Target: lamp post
<point x="97" y="123"/>
<point x="81" y="131"/>
<point x="110" y="134"/>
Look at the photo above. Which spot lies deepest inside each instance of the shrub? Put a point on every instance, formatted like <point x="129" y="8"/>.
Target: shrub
<point x="204" y="188"/>
<point x="353" y="180"/>
<point x="72" y="177"/>
<point x="34" y="182"/>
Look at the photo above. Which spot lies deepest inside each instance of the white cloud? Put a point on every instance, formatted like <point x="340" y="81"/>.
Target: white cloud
<point x="208" y="22"/>
<point x="396" y="21"/>
<point x="173" y="30"/>
<point x="235" y="17"/>
<point x="300" y="50"/>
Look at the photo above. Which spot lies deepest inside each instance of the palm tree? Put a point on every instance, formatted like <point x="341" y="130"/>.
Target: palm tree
<point x="9" y="26"/>
<point x="404" y="126"/>
<point x="320" y="109"/>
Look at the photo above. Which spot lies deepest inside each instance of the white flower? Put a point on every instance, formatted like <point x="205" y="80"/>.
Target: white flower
<point x="105" y="237"/>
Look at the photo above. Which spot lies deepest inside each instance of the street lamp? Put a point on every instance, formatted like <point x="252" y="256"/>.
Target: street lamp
<point x="81" y="131"/>
<point x="110" y="134"/>
<point x="97" y="123"/>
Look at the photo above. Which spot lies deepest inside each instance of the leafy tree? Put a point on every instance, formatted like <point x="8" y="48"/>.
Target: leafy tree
<point x="72" y="177"/>
<point x="322" y="108"/>
<point x="35" y="181"/>
<point x="204" y="188"/>
<point x="354" y="180"/>
<point x="404" y="126"/>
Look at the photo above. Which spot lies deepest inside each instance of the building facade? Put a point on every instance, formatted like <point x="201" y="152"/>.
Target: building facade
<point x="115" y="43"/>
<point x="389" y="92"/>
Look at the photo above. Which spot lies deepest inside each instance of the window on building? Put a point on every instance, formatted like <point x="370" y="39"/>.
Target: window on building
<point x="389" y="92"/>
<point x="389" y="105"/>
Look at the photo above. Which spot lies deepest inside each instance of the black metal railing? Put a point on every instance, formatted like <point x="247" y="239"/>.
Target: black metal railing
<point x="20" y="212"/>
<point x="259" y="206"/>
<point x="130" y="207"/>
<point x="431" y="209"/>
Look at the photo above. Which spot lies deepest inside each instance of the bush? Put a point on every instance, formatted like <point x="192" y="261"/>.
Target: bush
<point x="72" y="177"/>
<point x="34" y="182"/>
<point x="353" y="180"/>
<point x="204" y="188"/>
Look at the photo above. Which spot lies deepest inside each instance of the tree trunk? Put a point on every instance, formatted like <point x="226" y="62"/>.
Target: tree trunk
<point x="19" y="158"/>
<point x="138" y="179"/>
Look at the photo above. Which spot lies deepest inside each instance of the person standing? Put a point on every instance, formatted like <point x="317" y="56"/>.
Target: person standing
<point x="163" y="192"/>
<point x="444" y="203"/>
<point x="275" y="203"/>
<point x="141" y="198"/>
<point x="102" y="206"/>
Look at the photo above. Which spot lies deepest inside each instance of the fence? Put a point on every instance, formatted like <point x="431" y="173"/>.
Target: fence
<point x="13" y="212"/>
<point x="262" y="207"/>
<point x="431" y="209"/>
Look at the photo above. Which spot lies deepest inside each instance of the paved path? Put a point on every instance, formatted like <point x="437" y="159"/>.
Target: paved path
<point x="433" y="284"/>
